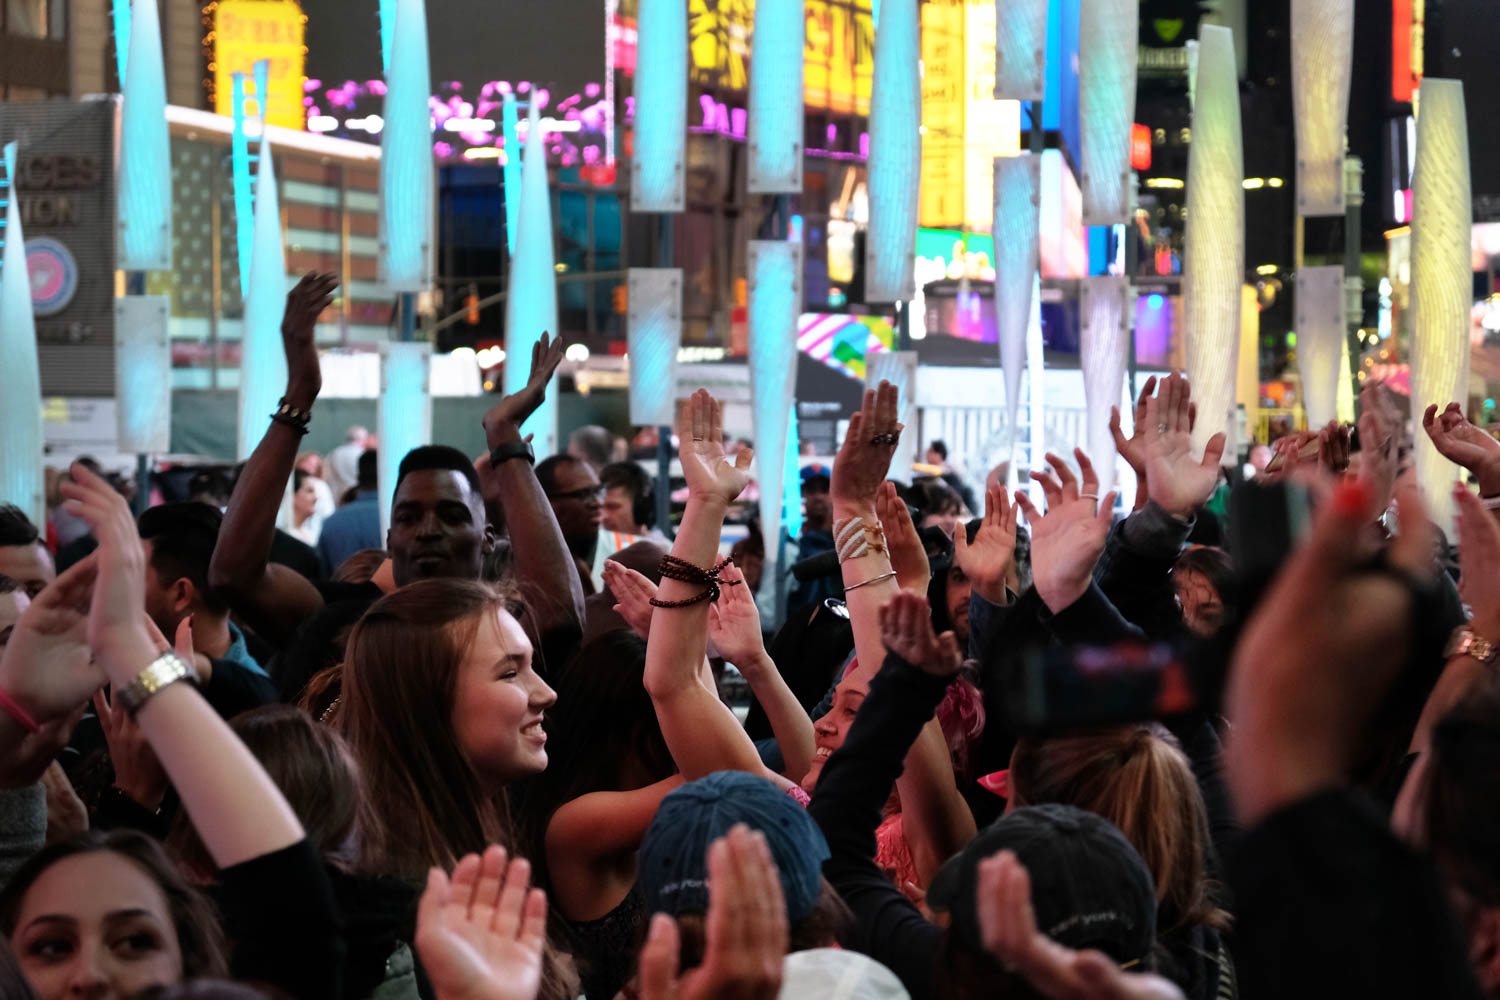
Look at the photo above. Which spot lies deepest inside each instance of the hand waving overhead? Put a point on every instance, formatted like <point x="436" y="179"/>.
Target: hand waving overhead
<point x="1067" y="541"/>
<point x="865" y="457"/>
<point x="710" y="474"/>
<point x="47" y="666"/>
<point x="1175" y="480"/>
<point x="1457" y="440"/>
<point x="986" y="560"/>
<point x="908" y="556"/>
<point x="734" y="621"/>
<point x="304" y="304"/>
<point x="504" y="420"/>
<point x="906" y="630"/>
<point x="480" y="935"/>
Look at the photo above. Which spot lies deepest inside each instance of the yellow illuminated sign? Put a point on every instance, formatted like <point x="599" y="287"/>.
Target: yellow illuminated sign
<point x="839" y="60"/>
<point x="246" y="31"/>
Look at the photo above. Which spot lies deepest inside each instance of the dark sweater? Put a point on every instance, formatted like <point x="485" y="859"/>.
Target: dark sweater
<point x="847" y="804"/>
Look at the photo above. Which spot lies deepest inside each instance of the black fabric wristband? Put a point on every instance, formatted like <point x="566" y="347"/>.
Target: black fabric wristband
<point x="512" y="449"/>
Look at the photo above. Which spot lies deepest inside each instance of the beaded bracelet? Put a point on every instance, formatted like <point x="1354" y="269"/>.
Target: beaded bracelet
<point x="673" y="568"/>
<point x="292" y="417"/>
<point x="854" y="537"/>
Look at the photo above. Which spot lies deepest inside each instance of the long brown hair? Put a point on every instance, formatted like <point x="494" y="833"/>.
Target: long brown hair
<point x="424" y="802"/>
<point x="1136" y="777"/>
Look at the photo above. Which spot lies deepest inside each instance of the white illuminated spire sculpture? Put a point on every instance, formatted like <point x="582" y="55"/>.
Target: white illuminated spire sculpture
<point x="406" y="170"/>
<point x="144" y="207"/>
<point x="531" y="306"/>
<point x="1213" y="265"/>
<point x="1102" y="358"/>
<point x="1017" y="248"/>
<point x="1020" y="49"/>
<point x="1106" y="107"/>
<point x="20" y="378"/>
<point x="262" y="357"/>
<point x="895" y="164"/>
<point x="775" y="303"/>
<point x="1442" y="281"/>
<point x="1322" y="56"/>
<point x="776" y="101"/>
<point x="657" y="180"/>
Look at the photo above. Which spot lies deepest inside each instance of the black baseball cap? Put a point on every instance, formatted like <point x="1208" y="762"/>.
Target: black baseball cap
<point x="1089" y="887"/>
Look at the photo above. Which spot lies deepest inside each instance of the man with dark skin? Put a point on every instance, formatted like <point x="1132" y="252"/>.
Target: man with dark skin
<point x="438" y="524"/>
<point x="577" y="499"/>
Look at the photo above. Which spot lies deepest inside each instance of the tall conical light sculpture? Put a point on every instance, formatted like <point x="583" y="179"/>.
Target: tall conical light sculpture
<point x="1322" y="56"/>
<point x="1213" y="265"/>
<point x="776" y="101"/>
<point x="263" y="359"/>
<point x="1106" y="106"/>
<point x="1020" y="49"/>
<point x="1102" y="358"/>
<point x="406" y="171"/>
<point x="21" y="382"/>
<point x="1320" y="340"/>
<point x="1017" y="248"/>
<point x="1442" y="286"/>
<point x="775" y="302"/>
<point x="145" y="201"/>
<point x="658" y="176"/>
<point x="531" y="306"/>
<point x="895" y="164"/>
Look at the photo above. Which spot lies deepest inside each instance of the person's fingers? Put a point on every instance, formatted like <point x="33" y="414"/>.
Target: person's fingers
<point x="867" y="405"/>
<point x="1115" y="430"/>
<point x="1151" y="419"/>
<point x="434" y="899"/>
<point x="1106" y="513"/>
<point x="533" y="930"/>
<point x="888" y="398"/>
<point x="157" y="639"/>
<point x="1051" y="488"/>
<point x="1429" y="420"/>
<point x="716" y="422"/>
<point x="183" y="641"/>
<point x="1086" y="471"/>
<point x="1192" y="416"/>
<point x="744" y="458"/>
<point x="485" y="895"/>
<point x="659" y="960"/>
<point x="1177" y="404"/>
<point x="1007" y="514"/>
<point x="948" y="649"/>
<point x="1024" y="502"/>
<point x="512" y="902"/>
<point x="1331" y="548"/>
<point x="961" y="548"/>
<point x="103" y="710"/>
<point x="1064" y="475"/>
<point x="1148" y="391"/>
<point x="1213" y="452"/>
<point x="721" y="929"/>
<point x="989" y="899"/>
<point x="853" y="435"/>
<point x="464" y="879"/>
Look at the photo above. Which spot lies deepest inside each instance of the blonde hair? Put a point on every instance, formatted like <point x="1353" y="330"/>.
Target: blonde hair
<point x="1138" y="778"/>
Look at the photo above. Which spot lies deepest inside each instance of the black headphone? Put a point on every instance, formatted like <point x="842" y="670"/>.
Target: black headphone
<point x="641" y="486"/>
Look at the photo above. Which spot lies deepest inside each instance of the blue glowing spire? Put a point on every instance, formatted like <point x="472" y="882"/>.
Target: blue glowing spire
<point x="776" y="102"/>
<point x="531" y="306"/>
<point x="122" y="37"/>
<point x="145" y="199"/>
<point x="387" y="32"/>
<point x="895" y="157"/>
<point x="511" y="172"/>
<point x="775" y="302"/>
<point x="791" y="484"/>
<point x="262" y="361"/>
<point x="661" y="77"/>
<point x="404" y="414"/>
<point x="406" y="174"/>
<point x="20" y="379"/>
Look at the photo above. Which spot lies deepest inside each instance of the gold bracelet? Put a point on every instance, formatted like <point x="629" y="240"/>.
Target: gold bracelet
<point x="854" y="537"/>
<point x="873" y="579"/>
<point x="162" y="672"/>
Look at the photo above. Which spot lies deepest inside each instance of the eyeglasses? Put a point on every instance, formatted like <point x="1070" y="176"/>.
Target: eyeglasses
<point x="595" y="493"/>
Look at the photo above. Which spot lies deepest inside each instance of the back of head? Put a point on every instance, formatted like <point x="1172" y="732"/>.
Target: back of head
<point x="1089" y="889"/>
<point x="15" y="527"/>
<point x="368" y="469"/>
<point x="937" y="447"/>
<point x="424" y="804"/>
<point x="360" y="567"/>
<point x="1136" y="777"/>
<point x="593" y="444"/>
<point x="439" y="458"/>
<point x="209" y="486"/>
<point x="199" y="936"/>
<point x="837" y="974"/>
<point x="1460" y="812"/>
<point x="183" y="536"/>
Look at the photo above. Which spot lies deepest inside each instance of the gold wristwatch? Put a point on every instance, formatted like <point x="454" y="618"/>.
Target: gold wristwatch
<point x="1466" y="642"/>
<point x="165" y="670"/>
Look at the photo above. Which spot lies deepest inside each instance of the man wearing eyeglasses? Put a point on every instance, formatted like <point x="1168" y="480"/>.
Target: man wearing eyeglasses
<point x="577" y="499"/>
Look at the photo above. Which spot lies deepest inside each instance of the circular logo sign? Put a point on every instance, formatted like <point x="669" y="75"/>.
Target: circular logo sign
<point x="54" y="275"/>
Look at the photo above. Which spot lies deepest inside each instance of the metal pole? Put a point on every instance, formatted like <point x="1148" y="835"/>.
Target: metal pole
<point x="664" y="433"/>
<point x="408" y="316"/>
<point x="1353" y="286"/>
<point x="135" y="284"/>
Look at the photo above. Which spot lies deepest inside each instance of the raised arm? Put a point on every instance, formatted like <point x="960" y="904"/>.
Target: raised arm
<point x="701" y="732"/>
<point x="237" y="810"/>
<point x="273" y="599"/>
<point x="858" y="471"/>
<point x="1457" y="440"/>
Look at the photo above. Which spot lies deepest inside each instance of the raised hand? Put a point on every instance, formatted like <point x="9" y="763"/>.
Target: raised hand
<point x="633" y="593"/>
<point x="1379" y="422"/>
<point x="1067" y="541"/>
<point x="66" y="813"/>
<point x="480" y="936"/>
<point x="1333" y="447"/>
<point x="304" y="304"/>
<point x="138" y="773"/>
<point x="1175" y="480"/>
<point x="1133" y="448"/>
<point x="1460" y="441"/>
<point x="116" y="625"/>
<point x="47" y="666"/>
<point x="710" y="474"/>
<point x="746" y="931"/>
<point x="908" y="555"/>
<point x="906" y="630"/>
<point x="1479" y="556"/>
<point x="865" y="457"/>
<point x="503" y="421"/>
<point x="1007" y="926"/>
<point x="986" y="560"/>
<point x="734" y="621"/>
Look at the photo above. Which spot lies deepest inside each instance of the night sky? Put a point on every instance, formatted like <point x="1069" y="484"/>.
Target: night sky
<point x="556" y="42"/>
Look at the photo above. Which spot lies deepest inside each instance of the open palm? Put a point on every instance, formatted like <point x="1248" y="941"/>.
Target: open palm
<point x="906" y="630"/>
<point x="480" y="935"/>
<point x="1175" y="480"/>
<point x="1461" y="442"/>
<point x="1067" y="541"/>
<point x="709" y="473"/>
<point x="512" y="411"/>
<point x="734" y="621"/>
<point x="47" y="665"/>
<point x="986" y="560"/>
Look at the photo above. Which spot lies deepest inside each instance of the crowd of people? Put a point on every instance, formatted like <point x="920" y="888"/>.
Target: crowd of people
<point x="1042" y="752"/>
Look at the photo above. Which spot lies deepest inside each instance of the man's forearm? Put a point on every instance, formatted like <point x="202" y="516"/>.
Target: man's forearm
<point x="249" y="528"/>
<point x="539" y="555"/>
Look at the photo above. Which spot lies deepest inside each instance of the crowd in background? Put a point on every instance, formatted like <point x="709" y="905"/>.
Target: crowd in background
<point x="1240" y="741"/>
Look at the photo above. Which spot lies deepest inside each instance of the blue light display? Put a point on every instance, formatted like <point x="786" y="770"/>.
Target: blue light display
<point x="263" y="361"/>
<point x="661" y="78"/>
<point x="404" y="417"/>
<point x="775" y="303"/>
<point x="791" y="484"/>
<point x="406" y="171"/>
<point x="776" y="101"/>
<point x="511" y="172"/>
<point x="20" y="380"/>
<point x="244" y="197"/>
<point x="122" y="37"/>
<point x="145" y="202"/>
<point x="895" y="163"/>
<point x="531" y="306"/>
